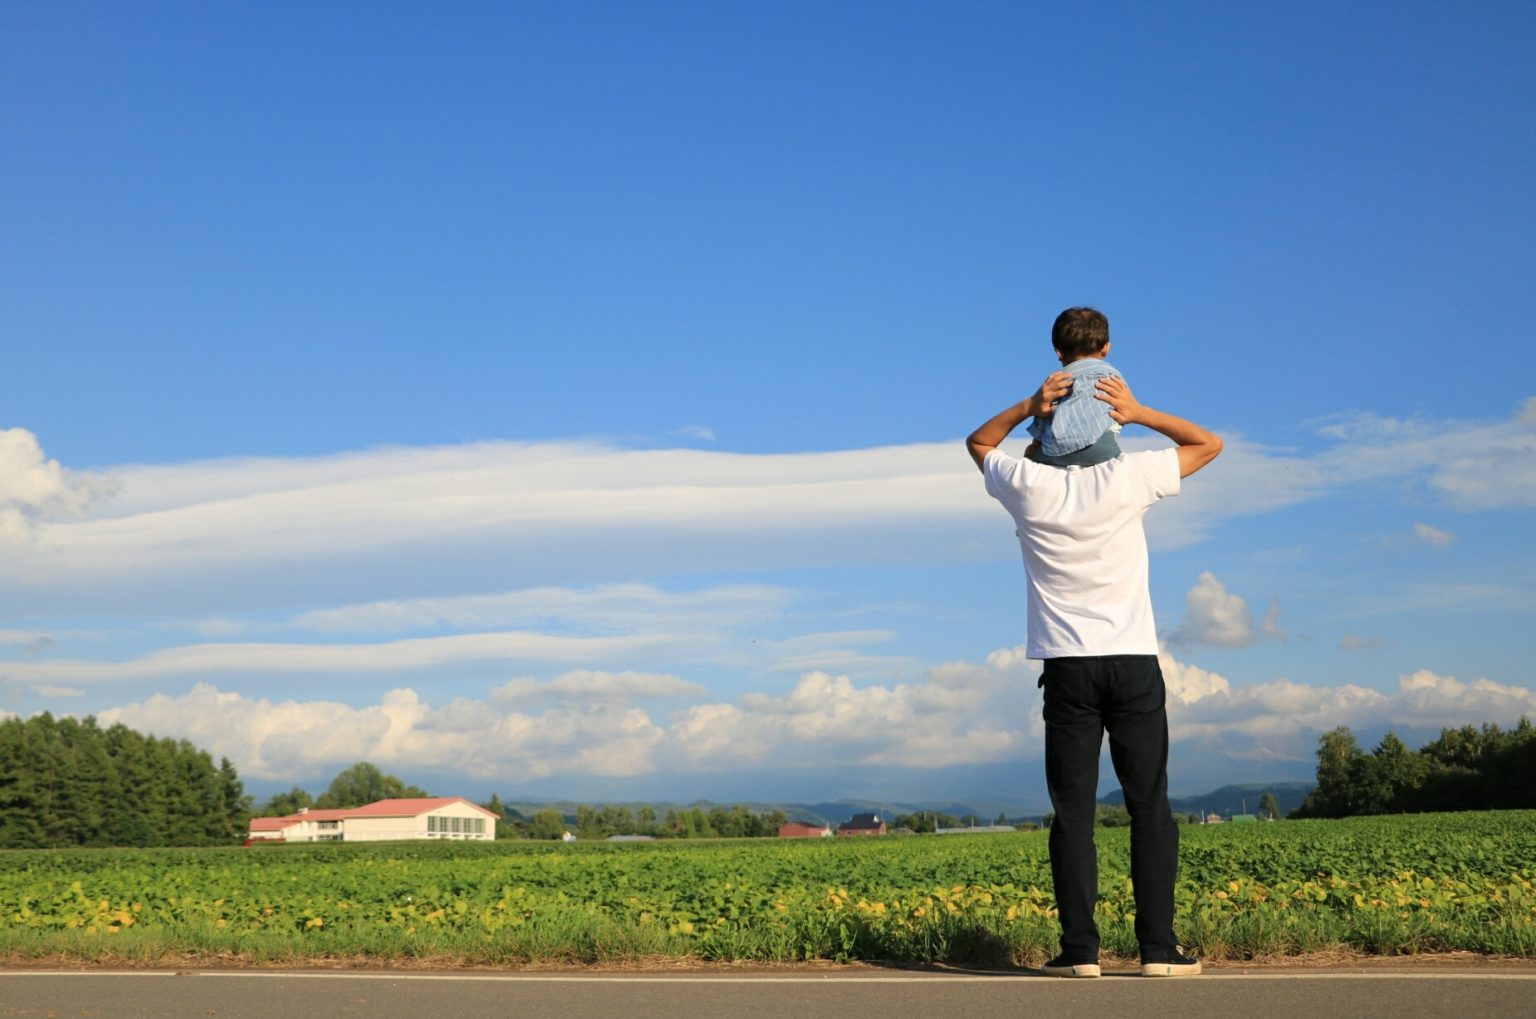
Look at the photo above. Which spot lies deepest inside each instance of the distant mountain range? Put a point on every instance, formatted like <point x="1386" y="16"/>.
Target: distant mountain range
<point x="1226" y="801"/>
<point x="1231" y="799"/>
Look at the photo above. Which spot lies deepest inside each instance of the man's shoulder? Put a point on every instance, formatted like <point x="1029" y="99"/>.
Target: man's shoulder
<point x="1159" y="467"/>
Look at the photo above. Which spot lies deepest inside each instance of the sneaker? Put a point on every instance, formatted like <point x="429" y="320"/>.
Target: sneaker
<point x="1176" y="965"/>
<point x="1060" y="967"/>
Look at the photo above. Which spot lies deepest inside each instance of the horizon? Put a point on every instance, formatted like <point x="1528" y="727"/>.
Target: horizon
<point x="572" y="401"/>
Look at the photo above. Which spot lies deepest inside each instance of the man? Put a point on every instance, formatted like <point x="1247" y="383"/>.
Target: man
<point x="1090" y="619"/>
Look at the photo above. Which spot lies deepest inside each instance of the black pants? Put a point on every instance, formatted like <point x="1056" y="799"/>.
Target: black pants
<point x="1124" y="695"/>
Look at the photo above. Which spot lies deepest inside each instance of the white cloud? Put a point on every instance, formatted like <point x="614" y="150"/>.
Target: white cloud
<point x="58" y="691"/>
<point x="1432" y="535"/>
<point x="589" y="686"/>
<point x="959" y="713"/>
<point x="701" y="432"/>
<point x="1282" y="719"/>
<point x="1476" y="465"/>
<point x="1215" y="616"/>
<point x="611" y="607"/>
<point x="383" y="658"/>
<point x="950" y="717"/>
<point x="226" y="536"/>
<point x="31" y="485"/>
<point x="292" y="739"/>
<point x="1352" y="642"/>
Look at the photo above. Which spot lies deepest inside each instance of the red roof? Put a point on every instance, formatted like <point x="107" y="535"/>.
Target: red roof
<point x="271" y="823"/>
<point x="411" y="807"/>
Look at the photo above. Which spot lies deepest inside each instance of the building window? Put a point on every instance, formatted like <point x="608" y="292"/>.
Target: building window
<point x="329" y="825"/>
<point x="431" y="824"/>
<point x="456" y="825"/>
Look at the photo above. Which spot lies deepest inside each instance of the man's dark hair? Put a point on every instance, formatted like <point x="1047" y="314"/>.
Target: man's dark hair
<point x="1079" y="332"/>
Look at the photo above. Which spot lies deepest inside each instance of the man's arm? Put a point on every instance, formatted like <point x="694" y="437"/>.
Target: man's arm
<point x="1197" y="446"/>
<point x="991" y="435"/>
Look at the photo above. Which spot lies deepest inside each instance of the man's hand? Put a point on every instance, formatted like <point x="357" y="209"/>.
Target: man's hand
<point x="990" y="435"/>
<point x="1123" y="406"/>
<point x="1196" y="446"/>
<point x="1051" y="392"/>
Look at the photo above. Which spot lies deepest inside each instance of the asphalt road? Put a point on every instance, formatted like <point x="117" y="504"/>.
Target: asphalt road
<point x="1403" y="993"/>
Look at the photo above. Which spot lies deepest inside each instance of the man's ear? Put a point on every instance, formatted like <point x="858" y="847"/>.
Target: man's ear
<point x="1059" y="357"/>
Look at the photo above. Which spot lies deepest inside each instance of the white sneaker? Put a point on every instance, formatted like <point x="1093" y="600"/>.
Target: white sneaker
<point x="1177" y="965"/>
<point x="1060" y="967"/>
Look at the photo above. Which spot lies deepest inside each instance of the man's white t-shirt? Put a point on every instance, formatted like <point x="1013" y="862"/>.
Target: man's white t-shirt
<point x="1085" y="553"/>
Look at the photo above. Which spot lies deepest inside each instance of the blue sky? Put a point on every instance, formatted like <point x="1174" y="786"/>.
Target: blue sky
<point x="566" y="399"/>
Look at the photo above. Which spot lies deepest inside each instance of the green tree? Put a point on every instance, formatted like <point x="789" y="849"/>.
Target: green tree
<point x="546" y="824"/>
<point x="283" y="804"/>
<point x="1338" y="772"/>
<point x="364" y="783"/>
<point x="1269" y="807"/>
<point x="1108" y="815"/>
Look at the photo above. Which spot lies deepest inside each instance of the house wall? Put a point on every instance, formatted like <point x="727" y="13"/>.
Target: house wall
<point x="377" y="829"/>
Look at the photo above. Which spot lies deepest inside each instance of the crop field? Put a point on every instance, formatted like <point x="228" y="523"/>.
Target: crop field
<point x="1382" y="885"/>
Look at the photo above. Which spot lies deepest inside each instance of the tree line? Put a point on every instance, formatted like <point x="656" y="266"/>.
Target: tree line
<point x="601" y="822"/>
<point x="68" y="782"/>
<point x="355" y="786"/>
<point x="364" y="783"/>
<point x="1471" y="768"/>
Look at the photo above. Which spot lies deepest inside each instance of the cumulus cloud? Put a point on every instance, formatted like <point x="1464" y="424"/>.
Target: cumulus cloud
<point x="959" y="713"/>
<point x="34" y="488"/>
<point x="1432" y="535"/>
<point x="33" y="484"/>
<point x="284" y="740"/>
<point x="1282" y="719"/>
<point x="585" y="722"/>
<point x="1217" y="617"/>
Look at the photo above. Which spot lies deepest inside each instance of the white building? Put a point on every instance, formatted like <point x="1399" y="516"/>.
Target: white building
<point x="434" y="817"/>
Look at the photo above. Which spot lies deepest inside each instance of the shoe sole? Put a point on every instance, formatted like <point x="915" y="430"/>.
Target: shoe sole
<point x="1082" y="969"/>
<point x="1170" y="969"/>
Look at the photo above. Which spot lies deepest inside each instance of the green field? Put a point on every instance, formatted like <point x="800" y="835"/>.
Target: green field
<point x="1381" y="885"/>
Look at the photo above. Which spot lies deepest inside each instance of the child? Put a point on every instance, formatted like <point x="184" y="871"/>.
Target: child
<point x="1080" y="432"/>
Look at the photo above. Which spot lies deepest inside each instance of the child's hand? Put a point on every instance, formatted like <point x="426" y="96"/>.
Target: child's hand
<point x="1055" y="387"/>
<point x="1123" y="407"/>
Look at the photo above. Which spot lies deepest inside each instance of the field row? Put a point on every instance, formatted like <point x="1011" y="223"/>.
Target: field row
<point x="1384" y="885"/>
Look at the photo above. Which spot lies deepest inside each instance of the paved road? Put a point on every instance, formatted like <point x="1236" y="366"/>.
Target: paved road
<point x="1434" y="991"/>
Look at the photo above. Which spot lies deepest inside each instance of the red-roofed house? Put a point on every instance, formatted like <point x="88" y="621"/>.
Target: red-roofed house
<point x="431" y="817"/>
<point x="803" y="830"/>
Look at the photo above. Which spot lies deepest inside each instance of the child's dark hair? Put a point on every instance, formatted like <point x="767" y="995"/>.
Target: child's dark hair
<point x="1079" y="332"/>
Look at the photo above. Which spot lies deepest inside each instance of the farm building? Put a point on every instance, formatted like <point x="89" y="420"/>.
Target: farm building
<point x="435" y="817"/>
<point x="862" y="824"/>
<point x="803" y="830"/>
